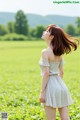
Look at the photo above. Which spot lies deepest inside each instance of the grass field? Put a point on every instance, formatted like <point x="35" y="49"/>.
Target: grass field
<point x="20" y="80"/>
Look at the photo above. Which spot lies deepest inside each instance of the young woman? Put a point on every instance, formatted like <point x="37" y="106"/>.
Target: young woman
<point x="54" y="92"/>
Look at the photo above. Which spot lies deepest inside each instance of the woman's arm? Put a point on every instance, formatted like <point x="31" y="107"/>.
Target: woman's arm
<point x="61" y="70"/>
<point x="45" y="76"/>
<point x="44" y="82"/>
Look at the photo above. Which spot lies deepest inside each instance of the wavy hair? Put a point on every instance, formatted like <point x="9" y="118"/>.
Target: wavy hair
<point x="62" y="42"/>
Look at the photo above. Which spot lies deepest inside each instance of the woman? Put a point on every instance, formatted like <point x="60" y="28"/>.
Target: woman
<point x="54" y="92"/>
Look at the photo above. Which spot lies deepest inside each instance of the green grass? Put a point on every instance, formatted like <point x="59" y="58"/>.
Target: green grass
<point x="20" y="80"/>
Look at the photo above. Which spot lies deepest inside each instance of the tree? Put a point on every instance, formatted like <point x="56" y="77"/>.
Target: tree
<point x="10" y="27"/>
<point x="70" y="29"/>
<point x="21" y="24"/>
<point x="78" y="22"/>
<point x="78" y="25"/>
<point x="3" y="30"/>
<point x="33" y="32"/>
<point x="39" y="31"/>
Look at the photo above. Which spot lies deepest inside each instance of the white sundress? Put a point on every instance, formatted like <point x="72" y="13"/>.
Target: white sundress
<point x="57" y="94"/>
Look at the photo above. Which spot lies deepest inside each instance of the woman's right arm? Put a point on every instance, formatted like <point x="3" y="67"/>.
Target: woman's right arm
<point x="61" y="70"/>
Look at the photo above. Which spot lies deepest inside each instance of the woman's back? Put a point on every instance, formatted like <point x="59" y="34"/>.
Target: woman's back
<point x="52" y="57"/>
<point x="53" y="62"/>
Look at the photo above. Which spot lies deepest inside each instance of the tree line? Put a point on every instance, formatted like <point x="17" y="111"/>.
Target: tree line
<point x="20" y="26"/>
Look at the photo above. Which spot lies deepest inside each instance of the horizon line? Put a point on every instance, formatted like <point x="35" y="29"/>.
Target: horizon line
<point x="40" y="14"/>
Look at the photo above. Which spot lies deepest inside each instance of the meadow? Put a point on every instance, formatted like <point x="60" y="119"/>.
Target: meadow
<point x="20" y="80"/>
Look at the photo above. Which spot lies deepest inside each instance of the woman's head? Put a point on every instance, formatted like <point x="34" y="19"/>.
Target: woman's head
<point x="59" y="40"/>
<point x="47" y="35"/>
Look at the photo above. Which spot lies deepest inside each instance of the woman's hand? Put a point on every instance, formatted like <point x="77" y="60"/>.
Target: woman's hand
<point x="42" y="97"/>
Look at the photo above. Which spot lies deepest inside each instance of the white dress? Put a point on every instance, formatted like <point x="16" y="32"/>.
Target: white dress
<point x="57" y="94"/>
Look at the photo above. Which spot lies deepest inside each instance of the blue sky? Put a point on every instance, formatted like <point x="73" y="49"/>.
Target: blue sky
<point x="42" y="7"/>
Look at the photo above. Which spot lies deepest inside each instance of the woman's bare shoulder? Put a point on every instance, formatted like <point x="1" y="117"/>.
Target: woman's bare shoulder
<point x="45" y="52"/>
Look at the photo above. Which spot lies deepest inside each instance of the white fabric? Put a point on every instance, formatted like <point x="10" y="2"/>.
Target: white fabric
<point x="57" y="94"/>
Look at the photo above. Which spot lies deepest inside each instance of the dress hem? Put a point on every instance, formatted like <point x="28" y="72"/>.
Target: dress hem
<point x="57" y="106"/>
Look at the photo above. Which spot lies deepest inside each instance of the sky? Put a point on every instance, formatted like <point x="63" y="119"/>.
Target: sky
<point x="41" y="7"/>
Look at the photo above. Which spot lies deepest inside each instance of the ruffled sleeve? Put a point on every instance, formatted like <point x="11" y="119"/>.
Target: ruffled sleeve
<point x="44" y="62"/>
<point x="62" y="62"/>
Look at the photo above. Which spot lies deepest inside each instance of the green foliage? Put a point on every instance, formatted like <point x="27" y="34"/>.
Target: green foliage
<point x="70" y="29"/>
<point x="21" y="23"/>
<point x="33" y="32"/>
<point x="37" y="32"/>
<point x="20" y="26"/>
<point x="20" y="80"/>
<point x="78" y="22"/>
<point x="13" y="37"/>
<point x="78" y="25"/>
<point x="10" y="27"/>
<point x="77" y="31"/>
<point x="3" y="30"/>
<point x="16" y="37"/>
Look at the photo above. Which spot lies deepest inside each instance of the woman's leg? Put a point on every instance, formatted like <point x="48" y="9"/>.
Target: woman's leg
<point x="50" y="113"/>
<point x="64" y="113"/>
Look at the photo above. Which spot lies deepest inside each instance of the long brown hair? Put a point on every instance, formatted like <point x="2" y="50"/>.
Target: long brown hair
<point x="62" y="42"/>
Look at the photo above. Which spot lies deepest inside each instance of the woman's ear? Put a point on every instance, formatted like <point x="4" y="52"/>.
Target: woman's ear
<point x="52" y="36"/>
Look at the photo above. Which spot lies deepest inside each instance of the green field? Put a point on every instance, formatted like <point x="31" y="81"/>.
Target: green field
<point x="20" y="80"/>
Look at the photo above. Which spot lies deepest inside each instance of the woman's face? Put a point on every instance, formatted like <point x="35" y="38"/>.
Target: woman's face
<point x="46" y="35"/>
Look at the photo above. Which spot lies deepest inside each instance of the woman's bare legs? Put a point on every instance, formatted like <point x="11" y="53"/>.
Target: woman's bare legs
<point x="50" y="113"/>
<point x="64" y="113"/>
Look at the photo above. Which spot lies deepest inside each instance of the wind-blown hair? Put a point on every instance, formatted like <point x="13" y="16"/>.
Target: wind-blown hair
<point x="62" y="42"/>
